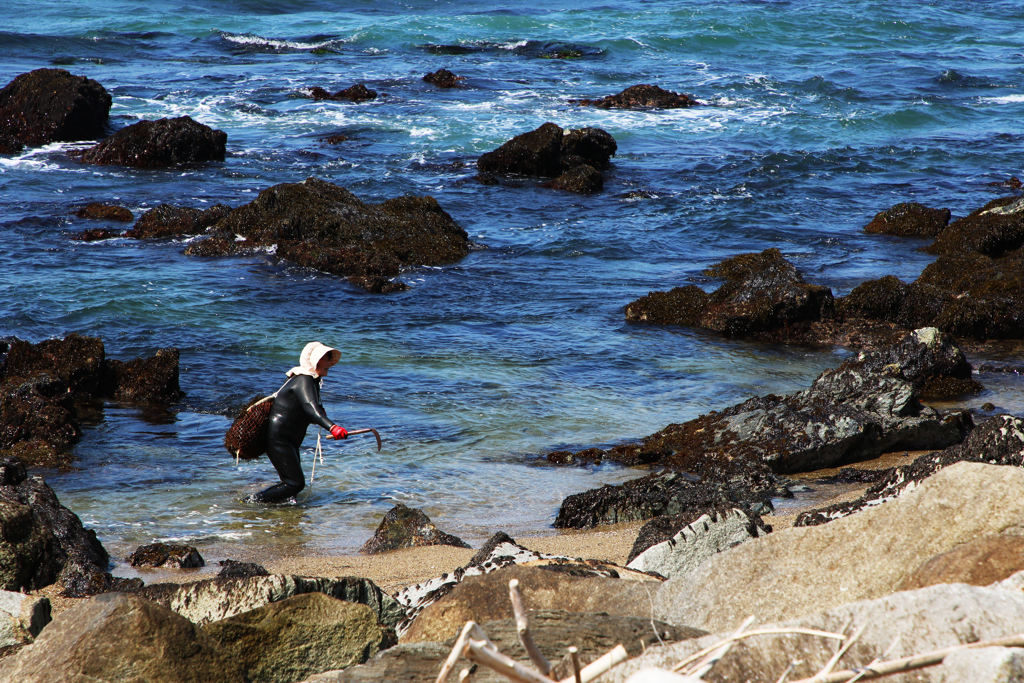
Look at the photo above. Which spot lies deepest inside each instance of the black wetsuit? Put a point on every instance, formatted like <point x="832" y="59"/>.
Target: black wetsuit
<point x="296" y="406"/>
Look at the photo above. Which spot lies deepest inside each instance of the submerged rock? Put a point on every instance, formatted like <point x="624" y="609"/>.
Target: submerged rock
<point x="581" y="179"/>
<point x="51" y="105"/>
<point x="909" y="220"/>
<point x="443" y="78"/>
<point x="405" y="527"/>
<point x="156" y="144"/>
<point x="355" y="93"/>
<point x="104" y="212"/>
<point x="642" y="97"/>
<point x="173" y="221"/>
<point x="164" y="555"/>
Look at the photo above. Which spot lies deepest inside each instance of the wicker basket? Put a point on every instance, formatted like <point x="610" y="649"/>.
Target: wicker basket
<point x="247" y="437"/>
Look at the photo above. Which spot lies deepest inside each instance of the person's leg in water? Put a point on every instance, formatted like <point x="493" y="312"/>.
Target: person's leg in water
<point x="285" y="458"/>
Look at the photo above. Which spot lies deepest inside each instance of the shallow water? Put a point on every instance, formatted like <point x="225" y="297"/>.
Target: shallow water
<point x="818" y="116"/>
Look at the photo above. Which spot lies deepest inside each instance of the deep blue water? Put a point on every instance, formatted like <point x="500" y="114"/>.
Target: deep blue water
<point x="817" y="116"/>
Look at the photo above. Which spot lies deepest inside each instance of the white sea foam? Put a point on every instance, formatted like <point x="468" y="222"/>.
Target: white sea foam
<point x="275" y="43"/>
<point x="1003" y="99"/>
<point x="41" y="158"/>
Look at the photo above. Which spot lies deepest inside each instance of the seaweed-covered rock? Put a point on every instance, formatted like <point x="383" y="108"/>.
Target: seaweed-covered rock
<point x="405" y="527"/>
<point x="147" y="379"/>
<point x="173" y="221"/>
<point x="764" y="295"/>
<point x="164" y="555"/>
<point x="161" y="143"/>
<point x="550" y="151"/>
<point x="320" y="225"/>
<point x="104" y="212"/>
<point x="642" y="97"/>
<point x="443" y="78"/>
<point x="51" y="105"/>
<point x="909" y="220"/>
<point x="95" y="235"/>
<point x="992" y="230"/>
<point x="233" y="569"/>
<point x="355" y="93"/>
<point x="581" y="179"/>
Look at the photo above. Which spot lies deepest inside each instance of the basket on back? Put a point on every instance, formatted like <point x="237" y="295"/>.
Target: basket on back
<point x="247" y="437"/>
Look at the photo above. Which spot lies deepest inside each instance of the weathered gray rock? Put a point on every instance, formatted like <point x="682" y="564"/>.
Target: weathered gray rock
<point x="860" y="557"/>
<point x="997" y="441"/>
<point x="926" y="619"/>
<point x="406" y="662"/>
<point x="118" y="638"/>
<point x="696" y="541"/>
<point x="405" y="527"/>
<point x="499" y="552"/>
<point x="220" y="598"/>
<point x="979" y="562"/>
<point x="288" y="640"/>
<point x="22" y="617"/>
<point x="983" y="665"/>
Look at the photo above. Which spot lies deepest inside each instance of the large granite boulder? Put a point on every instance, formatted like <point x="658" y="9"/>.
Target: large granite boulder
<point x="51" y="105"/>
<point x="897" y="625"/>
<point x="157" y="144"/>
<point x="642" y="97"/>
<point x="118" y="638"/>
<point x="997" y="441"/>
<point x="909" y="219"/>
<point x="500" y="552"/>
<point x="22" y="617"/>
<point x="550" y="151"/>
<point x="405" y="527"/>
<point x="978" y="562"/>
<point x="219" y="598"/>
<point x="764" y="295"/>
<point x="860" y="557"/>
<point x="288" y="640"/>
<point x="320" y="225"/>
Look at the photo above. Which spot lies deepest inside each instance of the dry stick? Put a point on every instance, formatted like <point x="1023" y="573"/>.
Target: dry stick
<point x="761" y="632"/>
<point x="705" y="665"/>
<point x="523" y="627"/>
<point x="915" y="662"/>
<point x="785" y="674"/>
<point x="477" y="651"/>
<point x="574" y="655"/>
<point x="470" y="629"/>
<point x="615" y="656"/>
<point x="463" y="676"/>
<point x="839" y="653"/>
<point x="877" y="659"/>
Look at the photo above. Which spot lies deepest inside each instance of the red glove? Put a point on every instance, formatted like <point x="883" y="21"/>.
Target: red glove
<point x="338" y="432"/>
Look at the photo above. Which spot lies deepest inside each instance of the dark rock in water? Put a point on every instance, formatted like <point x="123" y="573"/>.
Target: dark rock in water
<point x="1013" y="183"/>
<point x="550" y="151"/>
<point x="443" y="78"/>
<point x="355" y="93"/>
<point x="95" y="235"/>
<point x="642" y="97"/>
<point x="153" y="379"/>
<point x="582" y="179"/>
<point x="661" y="529"/>
<point x="233" y="569"/>
<point x="76" y="360"/>
<point x="377" y="284"/>
<point x="119" y="637"/>
<point x="156" y="144"/>
<point x="172" y="221"/>
<point x="320" y="225"/>
<point x="405" y="527"/>
<point x="335" y="139"/>
<point x="909" y="220"/>
<point x="293" y="639"/>
<point x="104" y="212"/>
<point x="486" y="179"/>
<point x="51" y="105"/>
<point x="164" y="555"/>
<point x="997" y="441"/>
<point x="993" y="230"/>
<point x="764" y="295"/>
<point x="10" y="145"/>
<point x="38" y="421"/>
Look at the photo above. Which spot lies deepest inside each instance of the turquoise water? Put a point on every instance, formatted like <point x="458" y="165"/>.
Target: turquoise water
<point x="817" y="116"/>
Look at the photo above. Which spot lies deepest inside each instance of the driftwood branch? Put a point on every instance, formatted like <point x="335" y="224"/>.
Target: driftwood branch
<point x="600" y="665"/>
<point x="470" y="630"/>
<point x="478" y="651"/>
<point x="575" y="657"/>
<point x="523" y="628"/>
<point x="760" y="632"/>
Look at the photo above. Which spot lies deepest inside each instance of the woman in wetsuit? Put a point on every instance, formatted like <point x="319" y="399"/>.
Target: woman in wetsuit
<point x="295" y="407"/>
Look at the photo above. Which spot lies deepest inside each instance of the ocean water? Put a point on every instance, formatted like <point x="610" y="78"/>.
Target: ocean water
<point x="816" y="116"/>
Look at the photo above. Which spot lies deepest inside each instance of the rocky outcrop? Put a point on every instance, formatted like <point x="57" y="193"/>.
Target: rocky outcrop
<point x="320" y="225"/>
<point x="997" y="441"/>
<point x="860" y="557"/>
<point x="22" y="617"/>
<point x="551" y="152"/>
<point x="641" y="97"/>
<point x="925" y="620"/>
<point x="289" y="640"/>
<point x="764" y="296"/>
<point x="173" y="221"/>
<point x="220" y="598"/>
<point x="909" y="220"/>
<point x="158" y="144"/>
<point x="233" y="569"/>
<point x="40" y="385"/>
<point x="499" y="552"/>
<point x="674" y="545"/>
<point x="405" y="527"/>
<point x="582" y="179"/>
<point x="104" y="212"/>
<point x="443" y="78"/>
<point x="117" y="638"/>
<point x="978" y="562"/>
<point x="51" y="105"/>
<point x="355" y="93"/>
<point x="164" y="555"/>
